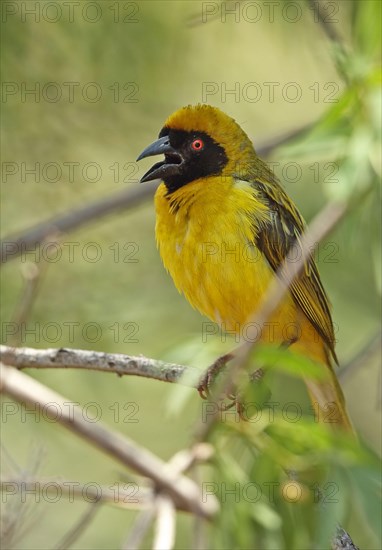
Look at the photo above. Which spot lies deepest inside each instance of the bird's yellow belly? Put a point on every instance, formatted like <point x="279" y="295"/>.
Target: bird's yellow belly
<point x="214" y="262"/>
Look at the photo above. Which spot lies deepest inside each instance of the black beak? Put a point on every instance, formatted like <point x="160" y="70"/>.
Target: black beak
<point x="161" y="169"/>
<point x="160" y="146"/>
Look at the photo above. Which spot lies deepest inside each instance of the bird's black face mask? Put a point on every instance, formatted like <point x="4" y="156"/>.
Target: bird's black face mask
<point x="188" y="157"/>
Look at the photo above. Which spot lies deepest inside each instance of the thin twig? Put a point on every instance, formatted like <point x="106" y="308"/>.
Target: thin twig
<point x="138" y="498"/>
<point x="181" y="462"/>
<point x="266" y="148"/>
<point x="25" y="358"/>
<point x="199" y="532"/>
<point x="324" y="222"/>
<point x="17" y="519"/>
<point x="320" y="227"/>
<point x="139" y="529"/>
<point x="32" y="274"/>
<point x="185" y="459"/>
<point x="33" y="394"/>
<point x="324" y="20"/>
<point x="372" y="348"/>
<point x="76" y="531"/>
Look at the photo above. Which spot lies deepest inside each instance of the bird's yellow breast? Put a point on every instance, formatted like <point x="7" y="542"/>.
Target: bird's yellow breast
<point x="206" y="235"/>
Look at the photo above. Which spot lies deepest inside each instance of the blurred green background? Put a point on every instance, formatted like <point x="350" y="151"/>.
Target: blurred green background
<point x="147" y="59"/>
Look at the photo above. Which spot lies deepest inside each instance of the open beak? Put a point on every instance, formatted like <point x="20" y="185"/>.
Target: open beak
<point x="169" y="166"/>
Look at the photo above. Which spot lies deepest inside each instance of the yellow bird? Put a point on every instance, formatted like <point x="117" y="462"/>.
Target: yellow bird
<point x="224" y="226"/>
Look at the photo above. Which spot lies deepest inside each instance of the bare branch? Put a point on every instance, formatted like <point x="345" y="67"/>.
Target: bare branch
<point x="342" y="540"/>
<point x="185" y="459"/>
<point x="31" y="393"/>
<point x="267" y="147"/>
<point x="25" y="358"/>
<point x="32" y="274"/>
<point x="164" y="536"/>
<point x="320" y="227"/>
<point x="12" y="247"/>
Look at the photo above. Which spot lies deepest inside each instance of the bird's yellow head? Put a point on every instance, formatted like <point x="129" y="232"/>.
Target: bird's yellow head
<point x="197" y="142"/>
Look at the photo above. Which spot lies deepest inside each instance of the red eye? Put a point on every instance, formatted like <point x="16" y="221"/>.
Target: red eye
<point x="197" y="144"/>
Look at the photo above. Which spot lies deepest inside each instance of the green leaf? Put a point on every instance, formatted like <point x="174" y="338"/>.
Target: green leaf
<point x="266" y="516"/>
<point x="289" y="362"/>
<point x="367" y="483"/>
<point x="367" y="28"/>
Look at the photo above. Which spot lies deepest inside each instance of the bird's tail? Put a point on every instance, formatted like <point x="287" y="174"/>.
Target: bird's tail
<point x="328" y="402"/>
<point x="326" y="395"/>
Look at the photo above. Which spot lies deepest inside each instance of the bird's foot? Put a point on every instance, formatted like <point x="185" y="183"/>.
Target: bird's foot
<point x="239" y="400"/>
<point x="231" y="397"/>
<point x="209" y="377"/>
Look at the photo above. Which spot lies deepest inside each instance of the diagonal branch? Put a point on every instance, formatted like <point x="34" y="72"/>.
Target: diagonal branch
<point x="179" y="463"/>
<point x="371" y="349"/>
<point x="31" y="393"/>
<point x="320" y="227"/>
<point x="12" y="247"/>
